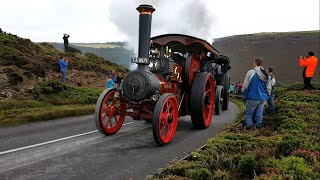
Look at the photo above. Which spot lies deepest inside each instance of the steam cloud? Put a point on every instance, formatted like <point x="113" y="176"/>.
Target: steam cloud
<point x="191" y="17"/>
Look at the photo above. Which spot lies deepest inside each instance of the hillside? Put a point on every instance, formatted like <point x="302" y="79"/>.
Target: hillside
<point x="23" y="64"/>
<point x="280" y="50"/>
<point x="114" y="52"/>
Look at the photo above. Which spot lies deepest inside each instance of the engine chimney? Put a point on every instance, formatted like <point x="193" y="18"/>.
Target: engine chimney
<point x="144" y="33"/>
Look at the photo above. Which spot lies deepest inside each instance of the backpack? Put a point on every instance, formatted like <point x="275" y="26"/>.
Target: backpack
<point x="270" y="87"/>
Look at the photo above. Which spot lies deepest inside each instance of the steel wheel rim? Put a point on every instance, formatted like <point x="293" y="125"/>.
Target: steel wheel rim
<point x="168" y="120"/>
<point x="207" y="108"/>
<point x="110" y="109"/>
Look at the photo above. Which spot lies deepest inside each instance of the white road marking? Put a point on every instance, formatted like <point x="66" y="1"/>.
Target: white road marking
<point x="53" y="141"/>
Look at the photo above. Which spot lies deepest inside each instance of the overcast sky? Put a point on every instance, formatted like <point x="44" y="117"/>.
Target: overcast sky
<point x="113" y="20"/>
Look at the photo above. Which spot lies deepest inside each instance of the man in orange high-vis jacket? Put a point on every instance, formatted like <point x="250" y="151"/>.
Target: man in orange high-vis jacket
<point x="310" y="64"/>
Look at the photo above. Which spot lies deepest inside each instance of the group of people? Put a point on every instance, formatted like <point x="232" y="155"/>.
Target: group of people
<point x="236" y="89"/>
<point x="258" y="88"/>
<point x="113" y="81"/>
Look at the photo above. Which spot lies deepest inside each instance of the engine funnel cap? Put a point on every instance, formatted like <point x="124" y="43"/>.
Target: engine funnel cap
<point x="145" y="9"/>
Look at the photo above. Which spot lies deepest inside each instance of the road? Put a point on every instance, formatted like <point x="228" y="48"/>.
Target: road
<point x="71" y="148"/>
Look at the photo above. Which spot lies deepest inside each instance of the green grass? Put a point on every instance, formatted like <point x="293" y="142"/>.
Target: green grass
<point x="288" y="147"/>
<point x="50" y="100"/>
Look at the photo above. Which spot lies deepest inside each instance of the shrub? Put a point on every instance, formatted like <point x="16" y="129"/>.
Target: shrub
<point x="288" y="144"/>
<point x="249" y="165"/>
<point x="15" y="79"/>
<point x="221" y="175"/>
<point x="293" y="166"/>
<point x="199" y="174"/>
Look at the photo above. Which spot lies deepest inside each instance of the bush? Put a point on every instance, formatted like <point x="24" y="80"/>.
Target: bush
<point x="48" y="87"/>
<point x="249" y="165"/>
<point x="288" y="144"/>
<point x="293" y="166"/>
<point x="15" y="79"/>
<point x="198" y="174"/>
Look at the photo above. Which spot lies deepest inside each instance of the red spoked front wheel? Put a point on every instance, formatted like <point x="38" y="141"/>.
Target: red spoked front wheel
<point x="165" y="119"/>
<point x="108" y="115"/>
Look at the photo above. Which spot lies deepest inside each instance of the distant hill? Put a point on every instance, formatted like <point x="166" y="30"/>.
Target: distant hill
<point x="114" y="51"/>
<point x="24" y="63"/>
<point x="280" y="50"/>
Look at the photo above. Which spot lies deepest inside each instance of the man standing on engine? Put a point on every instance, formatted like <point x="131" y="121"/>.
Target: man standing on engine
<point x="254" y="91"/>
<point x="310" y="65"/>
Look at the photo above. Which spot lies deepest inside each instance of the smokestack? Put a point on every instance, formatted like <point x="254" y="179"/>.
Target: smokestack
<point x="144" y="33"/>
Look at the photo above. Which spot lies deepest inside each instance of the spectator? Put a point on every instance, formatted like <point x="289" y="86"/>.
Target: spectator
<point x="63" y="62"/>
<point x="310" y="64"/>
<point x="272" y="80"/>
<point x="110" y="82"/>
<point x="255" y="93"/>
<point x="231" y="88"/>
<point x="66" y="42"/>
<point x="119" y="79"/>
<point x="239" y="87"/>
<point x="236" y="88"/>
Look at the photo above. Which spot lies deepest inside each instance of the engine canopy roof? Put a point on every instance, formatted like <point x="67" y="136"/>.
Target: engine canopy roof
<point x="178" y="40"/>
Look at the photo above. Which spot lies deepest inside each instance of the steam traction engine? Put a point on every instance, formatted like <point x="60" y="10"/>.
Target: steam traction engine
<point x="174" y="78"/>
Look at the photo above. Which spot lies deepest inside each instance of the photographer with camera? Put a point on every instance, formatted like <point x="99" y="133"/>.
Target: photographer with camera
<point x="310" y="65"/>
<point x="65" y="42"/>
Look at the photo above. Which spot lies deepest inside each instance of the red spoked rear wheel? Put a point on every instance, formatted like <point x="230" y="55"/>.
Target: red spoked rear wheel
<point x="165" y="119"/>
<point x="202" y="100"/>
<point x="191" y="67"/>
<point x="108" y="112"/>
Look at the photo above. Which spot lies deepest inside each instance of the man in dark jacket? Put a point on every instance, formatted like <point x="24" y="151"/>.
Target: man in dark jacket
<point x="66" y="42"/>
<point x="254" y="91"/>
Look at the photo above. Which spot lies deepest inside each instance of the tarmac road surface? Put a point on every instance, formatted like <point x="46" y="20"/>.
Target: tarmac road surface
<point x="71" y="148"/>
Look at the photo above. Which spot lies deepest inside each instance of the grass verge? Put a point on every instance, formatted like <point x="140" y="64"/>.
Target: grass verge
<point x="49" y="100"/>
<point x="286" y="148"/>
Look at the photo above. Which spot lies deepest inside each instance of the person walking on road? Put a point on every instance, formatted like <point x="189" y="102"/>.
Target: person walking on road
<point x="271" y="85"/>
<point x="310" y="65"/>
<point x="66" y="42"/>
<point x="63" y="62"/>
<point x="254" y="91"/>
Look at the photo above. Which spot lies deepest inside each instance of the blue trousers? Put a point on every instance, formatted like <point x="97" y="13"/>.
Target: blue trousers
<point x="270" y="101"/>
<point x="64" y="76"/>
<point x="254" y="108"/>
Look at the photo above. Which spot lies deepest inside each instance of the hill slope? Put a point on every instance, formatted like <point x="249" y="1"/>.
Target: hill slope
<point x="114" y="52"/>
<point x="280" y="50"/>
<point x="23" y="64"/>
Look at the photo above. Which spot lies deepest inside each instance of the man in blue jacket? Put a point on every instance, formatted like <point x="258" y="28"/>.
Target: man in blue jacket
<point x="63" y="68"/>
<point x="254" y="91"/>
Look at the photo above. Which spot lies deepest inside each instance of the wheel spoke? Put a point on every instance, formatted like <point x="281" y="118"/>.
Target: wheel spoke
<point x="163" y="129"/>
<point x="110" y="121"/>
<point x="104" y="116"/>
<point x="115" y="117"/>
<point x="207" y="91"/>
<point x="167" y="107"/>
